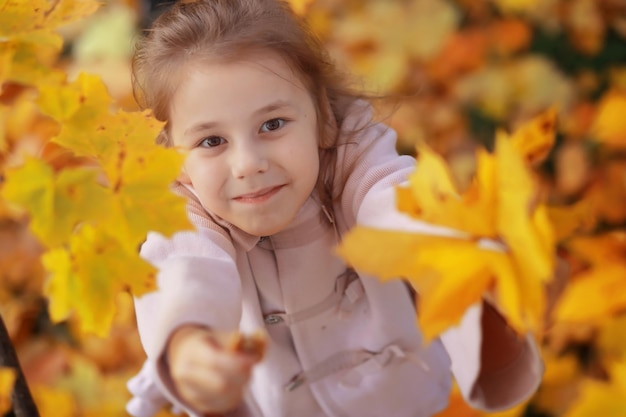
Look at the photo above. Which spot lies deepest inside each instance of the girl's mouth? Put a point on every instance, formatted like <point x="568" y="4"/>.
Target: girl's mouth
<point x="259" y="196"/>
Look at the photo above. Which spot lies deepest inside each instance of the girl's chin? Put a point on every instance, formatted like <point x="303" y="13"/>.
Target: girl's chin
<point x="262" y="231"/>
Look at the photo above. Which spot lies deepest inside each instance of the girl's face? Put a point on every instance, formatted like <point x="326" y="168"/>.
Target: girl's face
<point x="251" y="131"/>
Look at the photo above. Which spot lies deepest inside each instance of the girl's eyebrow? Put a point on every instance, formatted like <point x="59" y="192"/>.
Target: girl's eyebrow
<point x="276" y="105"/>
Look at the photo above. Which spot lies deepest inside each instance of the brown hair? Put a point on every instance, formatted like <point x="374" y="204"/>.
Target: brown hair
<point x="231" y="29"/>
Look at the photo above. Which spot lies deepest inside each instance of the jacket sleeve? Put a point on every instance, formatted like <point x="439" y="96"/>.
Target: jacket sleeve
<point x="372" y="168"/>
<point x="197" y="283"/>
<point x="502" y="388"/>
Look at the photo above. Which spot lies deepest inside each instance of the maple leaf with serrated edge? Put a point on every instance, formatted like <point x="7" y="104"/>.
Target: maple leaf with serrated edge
<point x="508" y="244"/>
<point x="139" y="173"/>
<point x="535" y="139"/>
<point x="31" y="44"/>
<point x="82" y="108"/>
<point x="87" y="276"/>
<point x="142" y="201"/>
<point x="434" y="198"/>
<point x="56" y="202"/>
<point x="524" y="226"/>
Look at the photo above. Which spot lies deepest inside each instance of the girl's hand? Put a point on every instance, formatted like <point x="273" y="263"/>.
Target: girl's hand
<point x="210" y="369"/>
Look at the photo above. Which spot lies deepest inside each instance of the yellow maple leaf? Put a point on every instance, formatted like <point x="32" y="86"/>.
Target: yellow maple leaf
<point x="88" y="275"/>
<point x="57" y="203"/>
<point x="7" y="381"/>
<point x="432" y="196"/>
<point x="29" y="36"/>
<point x="524" y="227"/>
<point x="609" y="126"/>
<point x="18" y="17"/>
<point x="600" y="398"/>
<point x="597" y="293"/>
<point x="32" y="63"/>
<point x="508" y="241"/>
<point x="139" y="173"/>
<point x="63" y="12"/>
<point x="30" y="43"/>
<point x="142" y="201"/>
<point x="535" y="138"/>
<point x="83" y="109"/>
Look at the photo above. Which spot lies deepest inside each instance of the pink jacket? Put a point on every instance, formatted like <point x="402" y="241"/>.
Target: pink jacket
<point x="340" y="343"/>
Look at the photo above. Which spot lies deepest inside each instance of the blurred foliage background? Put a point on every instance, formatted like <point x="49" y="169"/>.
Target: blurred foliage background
<point x="456" y="70"/>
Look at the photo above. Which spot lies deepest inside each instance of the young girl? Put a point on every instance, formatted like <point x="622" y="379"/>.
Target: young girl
<point x="282" y="160"/>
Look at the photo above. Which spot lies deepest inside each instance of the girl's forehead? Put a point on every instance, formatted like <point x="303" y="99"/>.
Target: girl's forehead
<point x="219" y="93"/>
<point x="264" y="59"/>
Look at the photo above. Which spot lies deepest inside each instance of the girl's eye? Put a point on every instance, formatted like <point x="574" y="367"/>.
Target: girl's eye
<point x="273" y="124"/>
<point x="212" y="141"/>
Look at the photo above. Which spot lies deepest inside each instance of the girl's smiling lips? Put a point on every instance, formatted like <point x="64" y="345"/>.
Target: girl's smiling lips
<point x="259" y="196"/>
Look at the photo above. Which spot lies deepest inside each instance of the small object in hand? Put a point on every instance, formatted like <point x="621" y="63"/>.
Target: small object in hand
<point x="249" y="344"/>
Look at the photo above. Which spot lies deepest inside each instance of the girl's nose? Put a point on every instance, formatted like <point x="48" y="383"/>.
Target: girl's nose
<point x="248" y="159"/>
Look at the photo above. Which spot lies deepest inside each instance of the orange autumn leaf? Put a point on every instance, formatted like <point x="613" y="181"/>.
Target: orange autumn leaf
<point x="510" y="35"/>
<point x="463" y="52"/>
